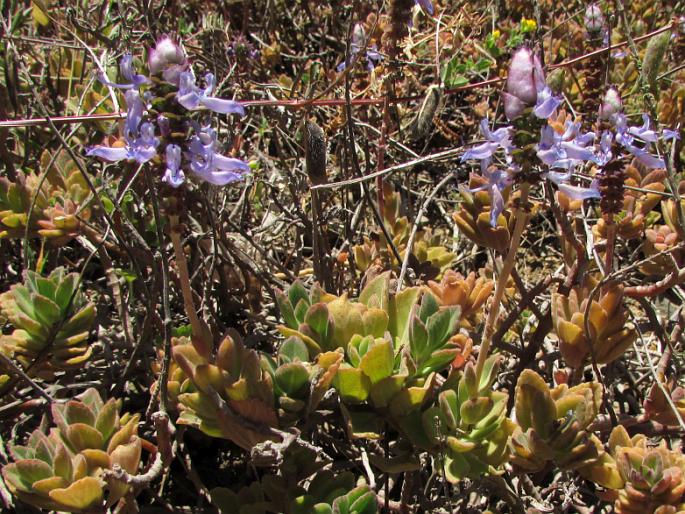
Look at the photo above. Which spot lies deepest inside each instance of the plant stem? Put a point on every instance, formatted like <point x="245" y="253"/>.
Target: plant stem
<point x="199" y="328"/>
<point x="521" y="216"/>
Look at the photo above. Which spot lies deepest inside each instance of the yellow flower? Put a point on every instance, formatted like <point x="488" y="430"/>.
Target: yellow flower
<point x="528" y="25"/>
<point x="496" y="34"/>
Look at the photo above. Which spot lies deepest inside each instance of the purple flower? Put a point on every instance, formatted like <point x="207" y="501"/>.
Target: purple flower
<point x="500" y="138"/>
<point x="358" y="42"/>
<point x="174" y="175"/>
<point x="167" y="58"/>
<point x="426" y="5"/>
<point x="667" y="134"/>
<point x="581" y="193"/>
<point x="191" y="97"/>
<point x="498" y="180"/>
<point x="526" y="87"/>
<point x="141" y="143"/>
<point x="133" y="80"/>
<point x="611" y="104"/>
<point x="211" y="166"/>
<point x="625" y="136"/>
<point x="567" y="149"/>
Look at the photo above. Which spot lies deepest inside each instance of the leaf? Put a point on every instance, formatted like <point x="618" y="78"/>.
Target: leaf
<point x="375" y="294"/>
<point x="399" y="309"/>
<point x="352" y="384"/>
<point x="317" y="318"/>
<point x="291" y="378"/>
<point x="286" y="309"/>
<point x="379" y="361"/>
<point x="293" y="349"/>
<point x="83" y="494"/>
<point x="83" y="436"/>
<point x="296" y="294"/>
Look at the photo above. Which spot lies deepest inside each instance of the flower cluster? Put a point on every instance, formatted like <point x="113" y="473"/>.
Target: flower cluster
<point x="562" y="146"/>
<point x="182" y="142"/>
<point x="373" y="57"/>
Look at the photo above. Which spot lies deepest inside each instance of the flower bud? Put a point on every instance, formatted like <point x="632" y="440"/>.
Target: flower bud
<point x="611" y="104"/>
<point x="594" y="19"/>
<point x="165" y="53"/>
<point x="524" y="80"/>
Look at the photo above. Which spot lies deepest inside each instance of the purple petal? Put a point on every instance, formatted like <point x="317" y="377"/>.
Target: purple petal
<point x="173" y="176"/>
<point x="222" y="106"/>
<point x="426" y="5"/>
<point x="579" y="193"/>
<point x="546" y="104"/>
<point x="108" y="153"/>
<point x="224" y="163"/>
<point x="668" y="134"/>
<point x="575" y="151"/>
<point x="482" y="151"/>
<point x="496" y="205"/>
<point x="646" y="158"/>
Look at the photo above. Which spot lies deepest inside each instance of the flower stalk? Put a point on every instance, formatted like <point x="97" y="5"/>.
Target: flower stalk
<point x="521" y="214"/>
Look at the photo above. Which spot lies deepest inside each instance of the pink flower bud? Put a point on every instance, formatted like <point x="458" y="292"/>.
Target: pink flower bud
<point x="594" y="19"/>
<point x="524" y="80"/>
<point x="611" y="104"/>
<point x="165" y="53"/>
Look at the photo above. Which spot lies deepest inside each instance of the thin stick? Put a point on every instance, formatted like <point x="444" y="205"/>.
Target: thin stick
<point x="521" y="216"/>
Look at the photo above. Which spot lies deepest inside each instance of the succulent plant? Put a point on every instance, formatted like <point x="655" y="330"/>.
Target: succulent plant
<point x="60" y="202"/>
<point x="299" y="385"/>
<point x="473" y="217"/>
<point x="553" y="426"/>
<point x="653" y="478"/>
<point x="609" y="333"/>
<point x="659" y="240"/>
<point x="63" y="470"/>
<point x="326" y="493"/>
<point x="52" y="320"/>
<point x="470" y="425"/>
<point x="468" y="293"/>
<point x="326" y="322"/>
<point x="657" y="406"/>
<point x="227" y="395"/>
<point x="429" y="257"/>
<point x="396" y="381"/>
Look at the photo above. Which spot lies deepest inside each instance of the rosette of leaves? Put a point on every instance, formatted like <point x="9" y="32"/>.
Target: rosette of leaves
<point x="473" y="217"/>
<point x="227" y="395"/>
<point x="657" y="405"/>
<point x="653" y="479"/>
<point x="657" y="243"/>
<point x="52" y="320"/>
<point x="326" y="322"/>
<point x="609" y="334"/>
<point x="327" y="493"/>
<point x="630" y="222"/>
<point x="396" y="380"/>
<point x="469" y="425"/>
<point x="553" y="426"/>
<point x="59" y="203"/>
<point x="299" y="385"/>
<point x="63" y="470"/>
<point x="429" y="257"/>
<point x="468" y="293"/>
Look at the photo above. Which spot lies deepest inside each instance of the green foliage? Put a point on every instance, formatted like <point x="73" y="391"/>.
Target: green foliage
<point x="63" y="469"/>
<point x="52" y="320"/>
<point x="553" y="427"/>
<point x="327" y="493"/>
<point x="469" y="424"/>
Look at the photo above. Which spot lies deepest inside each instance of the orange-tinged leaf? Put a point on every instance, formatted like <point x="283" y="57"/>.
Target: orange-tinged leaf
<point x="81" y="495"/>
